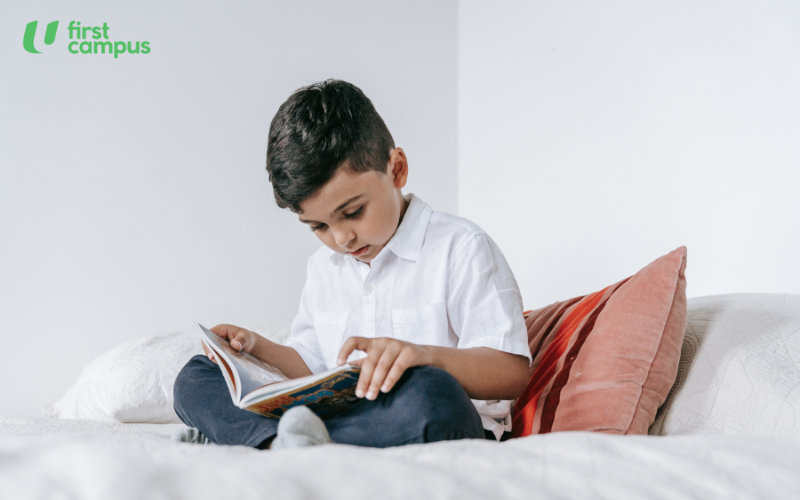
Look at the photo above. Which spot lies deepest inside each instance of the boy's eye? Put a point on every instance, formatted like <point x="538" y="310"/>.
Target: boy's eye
<point x="354" y="214"/>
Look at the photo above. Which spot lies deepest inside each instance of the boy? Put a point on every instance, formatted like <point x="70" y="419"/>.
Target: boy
<point x="423" y="301"/>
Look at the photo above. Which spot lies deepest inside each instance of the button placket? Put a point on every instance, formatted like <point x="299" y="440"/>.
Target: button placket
<point x="368" y="308"/>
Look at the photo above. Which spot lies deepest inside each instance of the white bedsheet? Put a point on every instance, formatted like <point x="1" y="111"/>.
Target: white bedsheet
<point x="55" y="459"/>
<point x="740" y="368"/>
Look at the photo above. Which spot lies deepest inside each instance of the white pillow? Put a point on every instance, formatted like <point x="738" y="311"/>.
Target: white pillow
<point x="739" y="371"/>
<point x="133" y="381"/>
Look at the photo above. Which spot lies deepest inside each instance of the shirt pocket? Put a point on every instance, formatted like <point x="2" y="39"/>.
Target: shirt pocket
<point x="330" y="327"/>
<point x="425" y="325"/>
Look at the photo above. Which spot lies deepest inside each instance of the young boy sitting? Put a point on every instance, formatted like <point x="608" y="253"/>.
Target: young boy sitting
<point x="422" y="300"/>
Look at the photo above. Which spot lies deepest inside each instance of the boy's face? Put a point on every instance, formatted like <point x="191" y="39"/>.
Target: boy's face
<point x="358" y="214"/>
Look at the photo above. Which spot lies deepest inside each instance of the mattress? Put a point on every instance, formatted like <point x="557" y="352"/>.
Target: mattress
<point x="730" y="422"/>
<point x="78" y="459"/>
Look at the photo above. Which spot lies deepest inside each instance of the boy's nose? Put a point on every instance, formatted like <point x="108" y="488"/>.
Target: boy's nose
<point x="342" y="238"/>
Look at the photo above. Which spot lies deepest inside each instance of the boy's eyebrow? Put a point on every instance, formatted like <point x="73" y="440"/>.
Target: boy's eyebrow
<point x="340" y="207"/>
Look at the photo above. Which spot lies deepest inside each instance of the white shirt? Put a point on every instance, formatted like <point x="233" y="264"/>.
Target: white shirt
<point x="440" y="280"/>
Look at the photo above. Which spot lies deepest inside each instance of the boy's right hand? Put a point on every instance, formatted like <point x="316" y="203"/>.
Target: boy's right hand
<point x="239" y="338"/>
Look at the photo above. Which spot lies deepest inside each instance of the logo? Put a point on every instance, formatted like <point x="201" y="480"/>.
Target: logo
<point x="30" y="32"/>
<point x="84" y="40"/>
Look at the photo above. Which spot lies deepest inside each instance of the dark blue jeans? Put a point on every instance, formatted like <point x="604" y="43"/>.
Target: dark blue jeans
<point x="427" y="404"/>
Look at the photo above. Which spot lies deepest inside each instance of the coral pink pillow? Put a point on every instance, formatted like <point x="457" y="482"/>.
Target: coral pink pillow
<point x="606" y="361"/>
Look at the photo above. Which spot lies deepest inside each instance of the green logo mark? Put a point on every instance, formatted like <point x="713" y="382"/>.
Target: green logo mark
<point x="30" y="32"/>
<point x="84" y="40"/>
<point x="100" y="47"/>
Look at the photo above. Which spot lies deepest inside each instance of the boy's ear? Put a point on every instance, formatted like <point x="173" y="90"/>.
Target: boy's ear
<point x="398" y="167"/>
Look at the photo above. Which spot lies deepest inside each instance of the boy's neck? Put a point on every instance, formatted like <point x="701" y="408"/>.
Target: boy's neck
<point x="406" y="203"/>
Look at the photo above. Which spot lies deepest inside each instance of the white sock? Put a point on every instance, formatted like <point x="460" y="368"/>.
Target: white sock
<point x="190" y="435"/>
<point x="300" y="427"/>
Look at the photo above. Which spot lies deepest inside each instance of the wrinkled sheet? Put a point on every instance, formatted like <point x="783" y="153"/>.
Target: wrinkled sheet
<point x="739" y="370"/>
<point x="55" y="459"/>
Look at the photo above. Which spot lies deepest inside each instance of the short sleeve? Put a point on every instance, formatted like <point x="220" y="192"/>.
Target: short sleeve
<point x="303" y="336"/>
<point x="484" y="303"/>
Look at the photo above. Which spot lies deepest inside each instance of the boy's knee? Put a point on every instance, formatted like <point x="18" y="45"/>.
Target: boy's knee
<point x="189" y="380"/>
<point x="195" y="369"/>
<point x="431" y="380"/>
<point x="442" y="406"/>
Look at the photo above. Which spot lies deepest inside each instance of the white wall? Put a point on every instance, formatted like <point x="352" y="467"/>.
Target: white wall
<point x="597" y="136"/>
<point x="592" y="138"/>
<point x="133" y="192"/>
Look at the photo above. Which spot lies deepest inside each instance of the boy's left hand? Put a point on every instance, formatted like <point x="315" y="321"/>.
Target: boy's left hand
<point x="385" y="363"/>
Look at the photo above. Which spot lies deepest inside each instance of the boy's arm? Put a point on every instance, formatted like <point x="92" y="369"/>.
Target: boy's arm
<point x="282" y="357"/>
<point x="484" y="373"/>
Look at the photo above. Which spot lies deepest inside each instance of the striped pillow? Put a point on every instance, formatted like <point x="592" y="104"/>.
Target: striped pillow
<point x="606" y="361"/>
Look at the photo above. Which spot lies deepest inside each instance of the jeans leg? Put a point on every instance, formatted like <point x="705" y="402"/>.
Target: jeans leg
<point x="427" y="404"/>
<point x="202" y="400"/>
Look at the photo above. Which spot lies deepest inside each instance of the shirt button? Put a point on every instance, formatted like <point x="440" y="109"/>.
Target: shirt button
<point x="369" y="288"/>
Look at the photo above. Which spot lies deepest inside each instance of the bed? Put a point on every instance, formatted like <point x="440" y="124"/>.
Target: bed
<point x="727" y="430"/>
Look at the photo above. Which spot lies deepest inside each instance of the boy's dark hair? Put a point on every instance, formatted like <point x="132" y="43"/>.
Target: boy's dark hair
<point x="316" y="130"/>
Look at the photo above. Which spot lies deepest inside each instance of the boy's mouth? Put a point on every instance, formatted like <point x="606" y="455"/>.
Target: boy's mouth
<point x="360" y="251"/>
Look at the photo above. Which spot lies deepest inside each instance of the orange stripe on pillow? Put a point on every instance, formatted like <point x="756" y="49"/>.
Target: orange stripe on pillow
<point x="525" y="407"/>
<point x="554" y="396"/>
<point x="562" y="308"/>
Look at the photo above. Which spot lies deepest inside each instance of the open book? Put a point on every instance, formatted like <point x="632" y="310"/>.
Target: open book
<point x="261" y="388"/>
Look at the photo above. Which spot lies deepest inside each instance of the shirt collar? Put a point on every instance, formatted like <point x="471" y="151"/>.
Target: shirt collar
<point x="407" y="240"/>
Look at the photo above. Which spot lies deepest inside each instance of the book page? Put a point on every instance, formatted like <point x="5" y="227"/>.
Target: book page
<point x="290" y="386"/>
<point x="227" y="373"/>
<point x="252" y="372"/>
<point x="326" y="394"/>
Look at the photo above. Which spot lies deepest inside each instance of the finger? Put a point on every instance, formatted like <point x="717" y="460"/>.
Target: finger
<point x="386" y="361"/>
<point x="227" y="332"/>
<point x="245" y="339"/>
<point x="374" y="353"/>
<point x="209" y="353"/>
<point x="350" y="345"/>
<point x="239" y="341"/>
<point x="401" y="364"/>
<point x="238" y="337"/>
